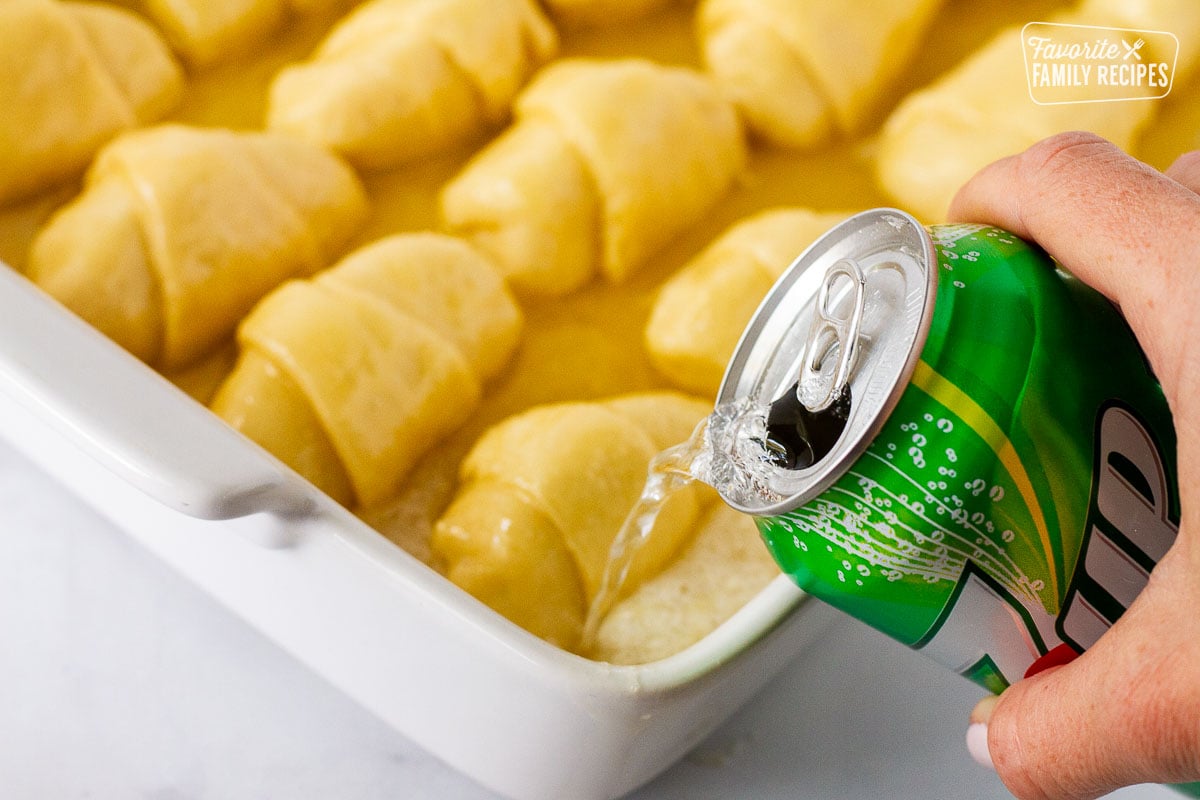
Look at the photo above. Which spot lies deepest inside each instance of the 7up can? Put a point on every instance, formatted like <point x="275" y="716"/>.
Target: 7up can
<point x="966" y="448"/>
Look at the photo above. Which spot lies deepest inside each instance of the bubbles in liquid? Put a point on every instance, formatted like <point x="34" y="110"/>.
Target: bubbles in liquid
<point x="731" y="456"/>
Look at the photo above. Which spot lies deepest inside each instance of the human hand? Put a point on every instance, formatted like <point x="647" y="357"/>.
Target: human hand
<point x="1128" y="710"/>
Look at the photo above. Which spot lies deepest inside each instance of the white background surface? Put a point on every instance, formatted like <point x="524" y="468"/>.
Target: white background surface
<point x="118" y="679"/>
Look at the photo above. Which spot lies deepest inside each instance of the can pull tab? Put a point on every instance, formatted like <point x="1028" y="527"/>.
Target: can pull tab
<point x="818" y="387"/>
<point x="806" y="421"/>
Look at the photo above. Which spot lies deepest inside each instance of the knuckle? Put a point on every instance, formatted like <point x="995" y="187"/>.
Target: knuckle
<point x="1065" y="147"/>
<point x="1057" y="170"/>
<point x="1063" y="156"/>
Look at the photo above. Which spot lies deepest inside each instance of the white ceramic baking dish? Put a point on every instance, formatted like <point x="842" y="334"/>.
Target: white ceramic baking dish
<point x="520" y="716"/>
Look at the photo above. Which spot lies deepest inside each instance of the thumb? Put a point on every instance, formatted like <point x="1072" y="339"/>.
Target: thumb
<point x="1127" y="711"/>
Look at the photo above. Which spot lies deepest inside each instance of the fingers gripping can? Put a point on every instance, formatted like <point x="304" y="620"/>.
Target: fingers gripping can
<point x="970" y="452"/>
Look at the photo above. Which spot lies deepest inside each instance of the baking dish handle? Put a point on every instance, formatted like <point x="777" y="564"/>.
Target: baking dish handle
<point x="129" y="418"/>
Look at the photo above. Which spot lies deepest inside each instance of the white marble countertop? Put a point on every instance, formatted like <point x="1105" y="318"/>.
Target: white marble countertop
<point x="119" y="679"/>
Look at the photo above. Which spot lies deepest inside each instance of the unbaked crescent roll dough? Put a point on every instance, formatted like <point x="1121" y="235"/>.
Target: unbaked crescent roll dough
<point x="351" y="376"/>
<point x="179" y="231"/>
<point x="607" y="161"/>
<point x="542" y="496"/>
<point x="72" y="76"/>
<point x="801" y="70"/>
<point x="398" y="79"/>
<point x="982" y="111"/>
<point x="701" y="311"/>
<point x="207" y="31"/>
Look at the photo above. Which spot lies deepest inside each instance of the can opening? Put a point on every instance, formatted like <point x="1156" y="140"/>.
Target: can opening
<point x="796" y="437"/>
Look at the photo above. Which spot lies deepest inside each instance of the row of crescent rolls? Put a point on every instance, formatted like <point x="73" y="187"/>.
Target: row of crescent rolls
<point x="180" y="231"/>
<point x="393" y="81"/>
<point x="982" y="111"/>
<point x="793" y="82"/>
<point x="206" y="32"/>
<point x="349" y="377"/>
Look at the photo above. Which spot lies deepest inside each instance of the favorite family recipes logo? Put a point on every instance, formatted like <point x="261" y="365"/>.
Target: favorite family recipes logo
<point x="1089" y="64"/>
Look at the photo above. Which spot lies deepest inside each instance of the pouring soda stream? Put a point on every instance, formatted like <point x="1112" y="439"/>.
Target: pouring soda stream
<point x="736" y="445"/>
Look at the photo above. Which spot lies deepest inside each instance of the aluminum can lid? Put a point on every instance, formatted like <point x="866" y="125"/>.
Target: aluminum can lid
<point x="852" y="311"/>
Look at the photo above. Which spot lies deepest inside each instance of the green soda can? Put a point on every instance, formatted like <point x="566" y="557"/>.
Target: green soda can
<point x="966" y="447"/>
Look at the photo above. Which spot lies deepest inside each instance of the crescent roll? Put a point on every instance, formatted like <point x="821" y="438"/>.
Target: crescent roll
<point x="351" y="376"/>
<point x="982" y="111"/>
<point x="606" y="162"/>
<point x="72" y="76"/>
<point x="803" y="70"/>
<point x="179" y="231"/>
<point x="542" y="496"/>
<point x="701" y="311"/>
<point x="207" y="31"/>
<point x="398" y="79"/>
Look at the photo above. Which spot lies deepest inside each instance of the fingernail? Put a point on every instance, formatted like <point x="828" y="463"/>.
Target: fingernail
<point x="977" y="744"/>
<point x="977" y="732"/>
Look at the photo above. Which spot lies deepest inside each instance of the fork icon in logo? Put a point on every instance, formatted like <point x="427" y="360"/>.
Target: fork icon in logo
<point x="1132" y="49"/>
